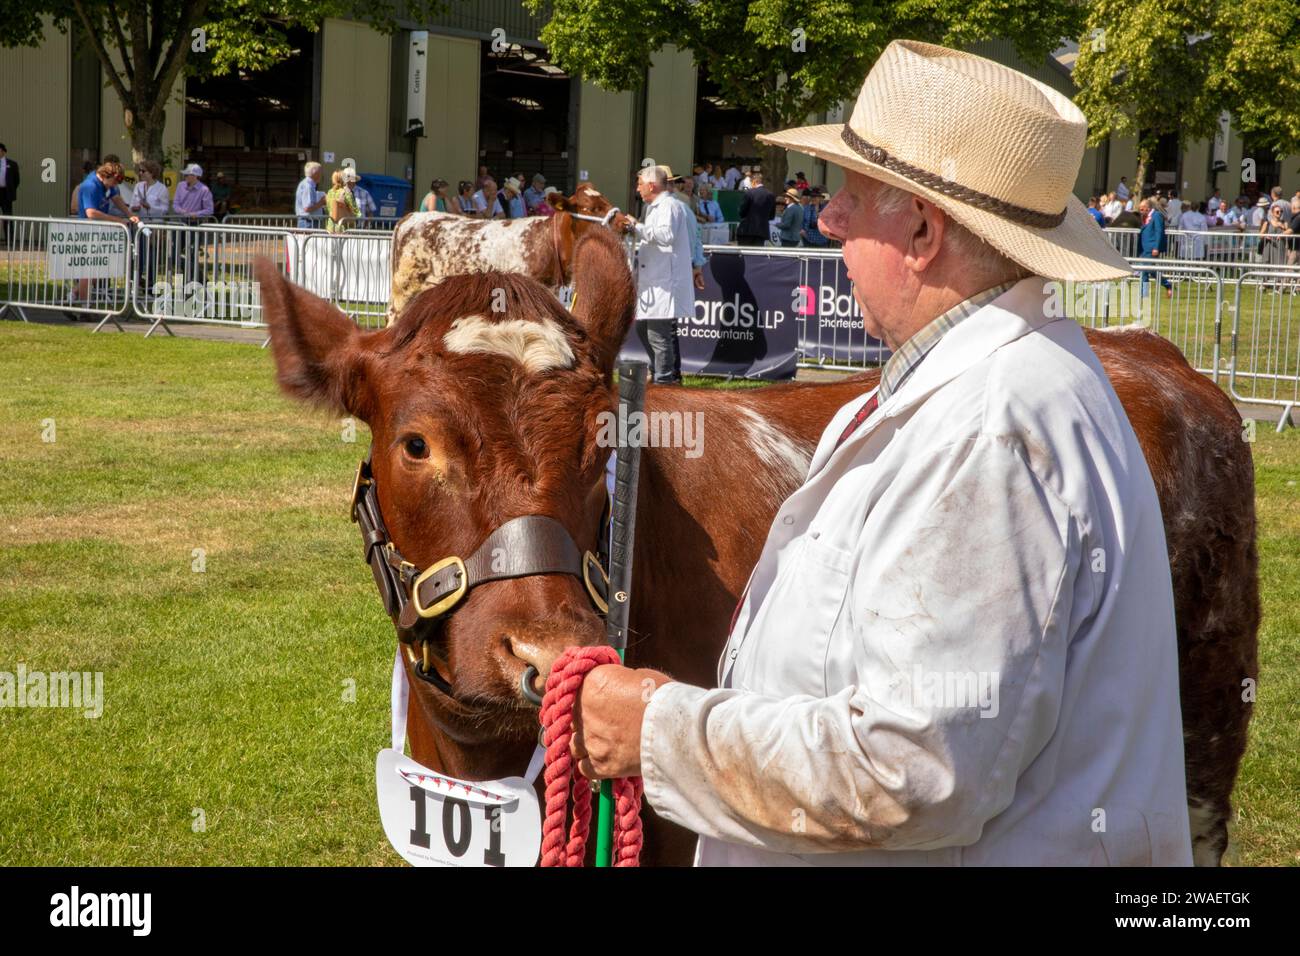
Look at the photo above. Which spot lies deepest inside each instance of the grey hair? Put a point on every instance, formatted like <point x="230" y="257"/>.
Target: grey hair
<point x="655" y="174"/>
<point x="983" y="261"/>
<point x="310" y="168"/>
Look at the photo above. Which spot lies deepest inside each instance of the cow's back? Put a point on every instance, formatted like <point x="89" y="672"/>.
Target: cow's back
<point x="429" y="246"/>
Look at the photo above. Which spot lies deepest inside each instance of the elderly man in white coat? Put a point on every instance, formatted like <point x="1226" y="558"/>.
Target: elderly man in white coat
<point x="665" y="286"/>
<point x="958" y="644"/>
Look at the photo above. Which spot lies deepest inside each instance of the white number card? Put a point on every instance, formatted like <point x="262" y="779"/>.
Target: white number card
<point x="432" y="819"/>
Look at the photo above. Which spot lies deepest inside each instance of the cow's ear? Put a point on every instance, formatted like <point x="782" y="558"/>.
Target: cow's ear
<point x="319" y="354"/>
<point x="604" y="297"/>
<point x="561" y="204"/>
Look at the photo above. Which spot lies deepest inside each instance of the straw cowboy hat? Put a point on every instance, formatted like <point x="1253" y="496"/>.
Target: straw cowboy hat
<point x="994" y="149"/>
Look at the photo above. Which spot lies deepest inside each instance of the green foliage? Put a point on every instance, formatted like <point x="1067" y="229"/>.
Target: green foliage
<point x="1140" y="73"/>
<point x="1260" y="74"/>
<point x="783" y="59"/>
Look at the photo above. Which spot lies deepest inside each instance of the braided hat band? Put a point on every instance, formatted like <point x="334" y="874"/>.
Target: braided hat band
<point x="1019" y="214"/>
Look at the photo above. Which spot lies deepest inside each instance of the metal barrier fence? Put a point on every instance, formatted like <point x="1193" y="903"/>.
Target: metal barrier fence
<point x="290" y="221"/>
<point x="1265" y="365"/>
<point x="167" y="272"/>
<point x="1225" y="244"/>
<point x="77" y="266"/>
<point x="272" y="220"/>
<point x="205" y="274"/>
<point x="352" y="269"/>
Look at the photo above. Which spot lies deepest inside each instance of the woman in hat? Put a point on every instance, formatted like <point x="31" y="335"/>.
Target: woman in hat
<point x="340" y="203"/>
<point x="790" y="214"/>
<point x="546" y="207"/>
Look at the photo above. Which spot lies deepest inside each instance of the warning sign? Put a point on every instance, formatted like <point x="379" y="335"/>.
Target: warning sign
<point x="85" y="250"/>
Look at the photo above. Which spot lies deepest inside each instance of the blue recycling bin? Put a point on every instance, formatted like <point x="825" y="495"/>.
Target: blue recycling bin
<point x="392" y="195"/>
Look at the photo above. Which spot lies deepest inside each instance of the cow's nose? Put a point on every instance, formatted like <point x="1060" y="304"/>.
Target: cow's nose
<point x="538" y="658"/>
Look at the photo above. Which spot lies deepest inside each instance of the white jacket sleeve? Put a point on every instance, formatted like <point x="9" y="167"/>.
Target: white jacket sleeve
<point x="960" y="619"/>
<point x="658" y="227"/>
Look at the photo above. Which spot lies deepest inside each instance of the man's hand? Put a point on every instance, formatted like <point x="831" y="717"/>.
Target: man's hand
<point x="607" y="720"/>
<point x="630" y="224"/>
<point x="699" y="277"/>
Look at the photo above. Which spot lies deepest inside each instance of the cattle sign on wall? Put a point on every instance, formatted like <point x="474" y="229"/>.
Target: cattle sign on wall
<point x="85" y="250"/>
<point x="417" y="81"/>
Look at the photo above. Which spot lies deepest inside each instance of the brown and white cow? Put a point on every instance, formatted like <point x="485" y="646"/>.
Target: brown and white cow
<point x="429" y="246"/>
<point x="453" y="461"/>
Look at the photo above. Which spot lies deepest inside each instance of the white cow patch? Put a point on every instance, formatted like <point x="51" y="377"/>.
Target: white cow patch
<point x="436" y="245"/>
<point x="538" y="345"/>
<point x="775" y="450"/>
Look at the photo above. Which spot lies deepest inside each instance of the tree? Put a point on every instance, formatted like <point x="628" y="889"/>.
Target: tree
<point x="783" y="59"/>
<point x="1260" y="75"/>
<point x="1148" y="68"/>
<point x="154" y="40"/>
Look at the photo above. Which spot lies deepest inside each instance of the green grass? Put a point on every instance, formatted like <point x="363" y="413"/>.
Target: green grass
<point x="224" y="690"/>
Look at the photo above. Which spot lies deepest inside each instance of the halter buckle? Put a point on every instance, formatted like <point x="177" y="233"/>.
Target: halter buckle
<point x="362" y="481"/>
<point x="588" y="560"/>
<point x="447" y="602"/>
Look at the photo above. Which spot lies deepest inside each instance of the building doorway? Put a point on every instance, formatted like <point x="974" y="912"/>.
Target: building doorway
<point x="527" y="117"/>
<point x="723" y="132"/>
<point x="258" y="127"/>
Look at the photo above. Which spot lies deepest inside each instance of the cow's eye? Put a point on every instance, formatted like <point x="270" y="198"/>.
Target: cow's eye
<point x="416" y="447"/>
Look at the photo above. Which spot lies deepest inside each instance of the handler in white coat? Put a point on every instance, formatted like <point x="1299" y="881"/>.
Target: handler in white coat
<point x="664" y="279"/>
<point x="958" y="645"/>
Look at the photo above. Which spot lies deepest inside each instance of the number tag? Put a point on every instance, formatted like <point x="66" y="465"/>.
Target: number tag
<point x="432" y="819"/>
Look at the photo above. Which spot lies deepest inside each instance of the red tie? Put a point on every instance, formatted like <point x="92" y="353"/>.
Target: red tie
<point x="862" y="415"/>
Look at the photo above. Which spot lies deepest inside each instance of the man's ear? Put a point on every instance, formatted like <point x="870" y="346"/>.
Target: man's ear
<point x="926" y="226"/>
<point x="604" y="297"/>
<point x="319" y="354"/>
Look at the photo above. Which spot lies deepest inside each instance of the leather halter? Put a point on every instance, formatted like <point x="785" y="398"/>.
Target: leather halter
<point x="555" y="234"/>
<point x="521" y="547"/>
<point x="608" y="217"/>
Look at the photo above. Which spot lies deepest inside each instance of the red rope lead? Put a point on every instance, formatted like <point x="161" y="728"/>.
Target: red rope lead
<point x="562" y="686"/>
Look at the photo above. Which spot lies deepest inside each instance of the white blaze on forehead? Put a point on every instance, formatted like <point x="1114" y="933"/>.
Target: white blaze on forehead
<point x="536" y="344"/>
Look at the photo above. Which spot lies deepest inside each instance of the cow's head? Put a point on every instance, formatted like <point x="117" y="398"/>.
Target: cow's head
<point x="483" y="401"/>
<point x="587" y="200"/>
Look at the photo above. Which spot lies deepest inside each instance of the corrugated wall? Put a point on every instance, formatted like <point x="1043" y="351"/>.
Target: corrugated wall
<point x="670" y="110"/>
<point x="355" y="82"/>
<point x="450" y="145"/>
<point x="605" y="138"/>
<point x="34" y="125"/>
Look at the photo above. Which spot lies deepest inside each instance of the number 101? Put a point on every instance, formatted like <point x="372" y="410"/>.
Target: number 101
<point x="457" y="827"/>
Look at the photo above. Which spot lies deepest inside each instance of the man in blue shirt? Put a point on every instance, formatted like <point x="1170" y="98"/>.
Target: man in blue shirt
<point x="96" y="197"/>
<point x="812" y="236"/>
<point x="308" y="200"/>
<point x="1152" y="240"/>
<point x="512" y="195"/>
<point x="1096" y="213"/>
<point x="535" y="194"/>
